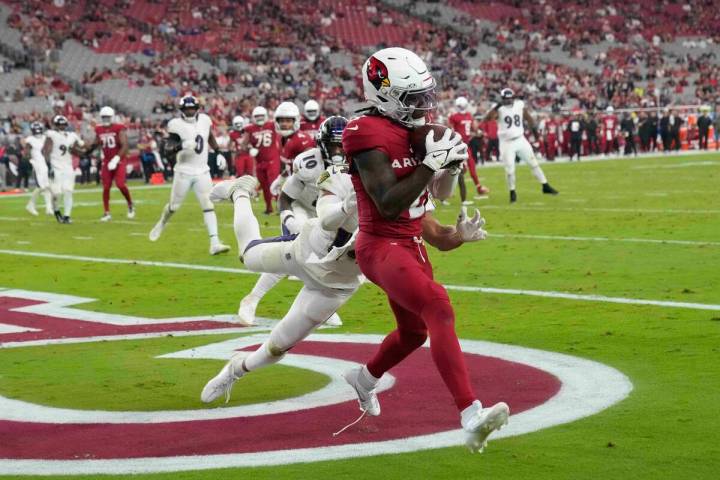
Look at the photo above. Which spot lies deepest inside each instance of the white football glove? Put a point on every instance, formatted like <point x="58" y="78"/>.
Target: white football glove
<point x="113" y="163"/>
<point x="446" y="152"/>
<point x="276" y="185"/>
<point x="221" y="161"/>
<point x="253" y="152"/>
<point x="470" y="229"/>
<point x="350" y="204"/>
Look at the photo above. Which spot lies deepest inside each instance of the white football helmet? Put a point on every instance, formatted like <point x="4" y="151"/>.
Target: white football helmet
<point x="259" y="115"/>
<point x="106" y="115"/>
<point x="238" y="122"/>
<point x="609" y="109"/>
<point x="397" y="83"/>
<point x="461" y="103"/>
<point x="311" y="110"/>
<point x="287" y="110"/>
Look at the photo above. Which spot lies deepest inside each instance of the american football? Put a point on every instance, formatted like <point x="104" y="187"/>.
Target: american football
<point x="229" y="250"/>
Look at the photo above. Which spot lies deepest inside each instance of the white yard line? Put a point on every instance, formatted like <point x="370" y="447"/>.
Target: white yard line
<point x="605" y="239"/>
<point x="459" y="288"/>
<point x="610" y="210"/>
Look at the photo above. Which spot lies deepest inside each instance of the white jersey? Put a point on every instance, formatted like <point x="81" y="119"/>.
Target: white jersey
<point x="510" y="121"/>
<point x="324" y="253"/>
<point x="62" y="143"/>
<point x="192" y="161"/>
<point x="302" y="185"/>
<point x="36" y="144"/>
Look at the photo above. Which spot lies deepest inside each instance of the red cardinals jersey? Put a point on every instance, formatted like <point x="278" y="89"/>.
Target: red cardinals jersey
<point x="109" y="137"/>
<point x="491" y="129"/>
<point x="311" y="126"/>
<point x="462" y="123"/>
<point x="265" y="139"/>
<point x="296" y="144"/>
<point x="609" y="126"/>
<point x="236" y="137"/>
<point x="371" y="132"/>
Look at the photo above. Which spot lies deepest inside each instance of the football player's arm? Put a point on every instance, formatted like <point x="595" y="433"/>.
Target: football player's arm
<point x="530" y="122"/>
<point x="333" y="210"/>
<point x="213" y="143"/>
<point x="47" y="147"/>
<point x="448" y="237"/>
<point x="91" y="147"/>
<point x="124" y="147"/>
<point x="390" y="195"/>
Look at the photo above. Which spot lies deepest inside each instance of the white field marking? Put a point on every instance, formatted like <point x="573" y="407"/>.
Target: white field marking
<point x="5" y="328"/>
<point x="605" y="239"/>
<point x="656" y="194"/>
<point x="334" y="392"/>
<point x="461" y="288"/>
<point x="83" y="238"/>
<point x="678" y="165"/>
<point x="2" y="234"/>
<point x="587" y="388"/>
<point x="23" y="242"/>
<point x="138" y="234"/>
<point x="81" y="191"/>
<point x="609" y="210"/>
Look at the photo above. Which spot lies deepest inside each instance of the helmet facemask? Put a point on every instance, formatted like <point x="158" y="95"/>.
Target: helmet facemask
<point x="412" y="106"/>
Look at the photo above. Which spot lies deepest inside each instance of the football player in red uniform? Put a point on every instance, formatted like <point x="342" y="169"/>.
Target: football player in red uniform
<point x="462" y="122"/>
<point x="610" y="127"/>
<point x="244" y="162"/>
<point x="111" y="137"/>
<point x="264" y="146"/>
<point x="312" y="119"/>
<point x="392" y="200"/>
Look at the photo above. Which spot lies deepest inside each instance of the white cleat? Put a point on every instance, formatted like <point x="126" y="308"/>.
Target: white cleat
<point x="31" y="209"/>
<point x="485" y="421"/>
<point x="106" y="218"/>
<point x="246" y="312"/>
<point x="222" y="383"/>
<point x="367" y="398"/>
<point x="223" y="191"/>
<point x="468" y="202"/>
<point x="218" y="248"/>
<point x="131" y="213"/>
<point x="156" y="231"/>
<point x="49" y="213"/>
<point x="334" y="321"/>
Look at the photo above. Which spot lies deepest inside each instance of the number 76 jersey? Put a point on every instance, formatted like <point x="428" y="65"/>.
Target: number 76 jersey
<point x="192" y="161"/>
<point x="510" y="121"/>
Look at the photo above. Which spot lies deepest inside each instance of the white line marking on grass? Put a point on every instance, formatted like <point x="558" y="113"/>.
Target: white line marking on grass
<point x="6" y="328"/>
<point x="138" y="234"/>
<point x="93" y="190"/>
<point x="678" y="165"/>
<point x="605" y="239"/>
<point x="83" y="238"/>
<point x="23" y="242"/>
<point x="460" y="288"/>
<point x="610" y="210"/>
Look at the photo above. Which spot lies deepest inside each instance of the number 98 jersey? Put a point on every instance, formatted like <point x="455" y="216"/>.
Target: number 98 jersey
<point x="192" y="161"/>
<point x="510" y="121"/>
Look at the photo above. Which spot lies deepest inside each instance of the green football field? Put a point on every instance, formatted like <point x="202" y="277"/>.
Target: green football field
<point x="623" y="268"/>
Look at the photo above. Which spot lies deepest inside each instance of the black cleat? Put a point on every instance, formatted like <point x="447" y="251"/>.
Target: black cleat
<point x="546" y="188"/>
<point x="513" y="196"/>
<point x="58" y="216"/>
<point x="66" y="219"/>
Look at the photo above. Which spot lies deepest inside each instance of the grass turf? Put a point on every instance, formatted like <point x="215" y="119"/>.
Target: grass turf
<point x="667" y="428"/>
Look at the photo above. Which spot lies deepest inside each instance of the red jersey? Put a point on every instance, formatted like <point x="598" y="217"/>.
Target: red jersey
<point x="265" y="139"/>
<point x="311" y="126"/>
<point x="491" y="129"/>
<point x="109" y="137"/>
<point x="462" y="122"/>
<point x="371" y="132"/>
<point x="296" y="144"/>
<point x="609" y="126"/>
<point x="236" y="137"/>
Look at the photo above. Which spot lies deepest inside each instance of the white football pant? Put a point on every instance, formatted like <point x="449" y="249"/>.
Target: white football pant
<point x="201" y="184"/>
<point x="63" y="181"/>
<point x="519" y="147"/>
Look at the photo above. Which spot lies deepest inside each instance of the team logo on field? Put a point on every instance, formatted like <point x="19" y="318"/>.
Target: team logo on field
<point x="542" y="388"/>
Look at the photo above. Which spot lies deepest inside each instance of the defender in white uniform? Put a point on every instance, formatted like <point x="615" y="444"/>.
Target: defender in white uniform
<point x="321" y="255"/>
<point x="34" y="145"/>
<point x="189" y="138"/>
<point x="62" y="144"/>
<point x="297" y="201"/>
<point x="511" y="117"/>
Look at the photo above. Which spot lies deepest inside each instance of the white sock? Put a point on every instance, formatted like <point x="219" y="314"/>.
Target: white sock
<point x="67" y="203"/>
<point x="264" y="284"/>
<point x="166" y="214"/>
<point x="33" y="197"/>
<point x="211" y="224"/>
<point x="538" y="173"/>
<point x="470" y="412"/>
<point x="48" y="200"/>
<point x="291" y="330"/>
<point x="245" y="224"/>
<point x="510" y="177"/>
<point x="366" y="379"/>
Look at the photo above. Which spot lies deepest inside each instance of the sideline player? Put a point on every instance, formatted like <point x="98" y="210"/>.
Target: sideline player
<point x="392" y="198"/>
<point x="312" y="119"/>
<point x="244" y="162"/>
<point x="34" y="145"/>
<point x="297" y="202"/>
<point x="511" y="116"/>
<point x="264" y="146"/>
<point x="462" y="122"/>
<point x="189" y="138"/>
<point x="61" y="144"/>
<point x="111" y="137"/>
